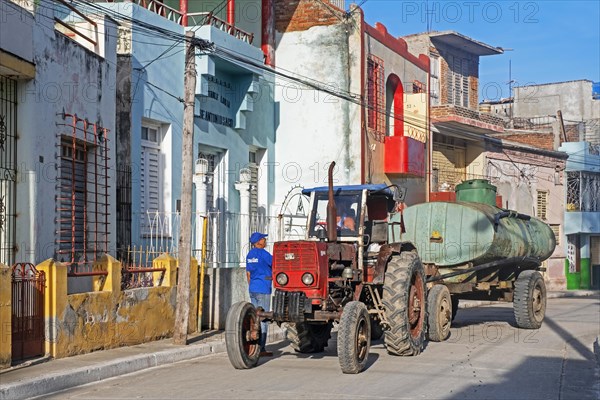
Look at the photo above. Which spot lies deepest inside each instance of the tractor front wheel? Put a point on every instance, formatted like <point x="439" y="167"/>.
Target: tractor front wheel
<point x="354" y="338"/>
<point x="242" y="335"/>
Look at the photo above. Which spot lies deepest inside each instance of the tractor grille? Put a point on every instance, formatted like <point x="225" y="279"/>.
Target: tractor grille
<point x="295" y="256"/>
<point x="290" y="306"/>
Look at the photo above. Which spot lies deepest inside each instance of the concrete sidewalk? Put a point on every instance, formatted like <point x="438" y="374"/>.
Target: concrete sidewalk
<point x="46" y="376"/>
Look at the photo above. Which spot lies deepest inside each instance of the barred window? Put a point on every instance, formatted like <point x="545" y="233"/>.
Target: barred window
<point x="376" y="96"/>
<point x="582" y="191"/>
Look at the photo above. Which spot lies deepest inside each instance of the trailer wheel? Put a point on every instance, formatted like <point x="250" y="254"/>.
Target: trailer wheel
<point x="404" y="302"/>
<point x="242" y="336"/>
<point x="454" y="306"/>
<point x="309" y="338"/>
<point x="439" y="313"/>
<point x="529" y="303"/>
<point x="354" y="338"/>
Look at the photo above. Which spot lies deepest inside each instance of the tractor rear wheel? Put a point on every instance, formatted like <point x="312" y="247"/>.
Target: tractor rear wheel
<point x="529" y="301"/>
<point x="439" y="313"/>
<point x="404" y="303"/>
<point x="242" y="336"/>
<point x="309" y="338"/>
<point x="354" y="338"/>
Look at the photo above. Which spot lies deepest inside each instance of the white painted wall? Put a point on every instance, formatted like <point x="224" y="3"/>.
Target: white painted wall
<point x="16" y="30"/>
<point x="315" y="128"/>
<point x="519" y="193"/>
<point x="68" y="78"/>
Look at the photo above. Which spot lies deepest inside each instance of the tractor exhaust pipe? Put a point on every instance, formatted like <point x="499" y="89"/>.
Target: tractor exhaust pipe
<point x="331" y="208"/>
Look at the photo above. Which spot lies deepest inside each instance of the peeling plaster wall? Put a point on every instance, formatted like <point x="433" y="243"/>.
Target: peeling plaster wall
<point x="71" y="79"/>
<point x="315" y="128"/>
<point x="518" y="184"/>
<point x="103" y="320"/>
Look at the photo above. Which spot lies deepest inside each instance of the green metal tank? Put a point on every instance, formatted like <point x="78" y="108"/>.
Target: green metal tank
<point x="476" y="191"/>
<point x="453" y="234"/>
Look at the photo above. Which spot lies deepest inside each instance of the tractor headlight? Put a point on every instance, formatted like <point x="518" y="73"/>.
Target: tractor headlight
<point x="282" y="279"/>
<point x="308" y="279"/>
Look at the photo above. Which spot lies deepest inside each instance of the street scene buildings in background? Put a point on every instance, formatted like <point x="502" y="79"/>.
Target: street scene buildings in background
<point x="91" y="124"/>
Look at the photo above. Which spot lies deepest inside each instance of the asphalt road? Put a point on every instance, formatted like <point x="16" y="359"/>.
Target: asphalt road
<point x="486" y="357"/>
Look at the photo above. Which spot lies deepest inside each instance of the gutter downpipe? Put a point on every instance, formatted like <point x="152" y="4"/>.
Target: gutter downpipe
<point x="363" y="123"/>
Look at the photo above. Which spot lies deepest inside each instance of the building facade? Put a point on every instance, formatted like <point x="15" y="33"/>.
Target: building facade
<point x="582" y="215"/>
<point x="359" y="99"/>
<point x="57" y="124"/>
<point x="470" y="144"/>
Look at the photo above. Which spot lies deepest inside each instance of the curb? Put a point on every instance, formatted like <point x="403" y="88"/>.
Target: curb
<point x="55" y="382"/>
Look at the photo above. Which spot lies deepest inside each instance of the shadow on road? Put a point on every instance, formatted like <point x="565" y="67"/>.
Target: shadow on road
<point x="279" y="350"/>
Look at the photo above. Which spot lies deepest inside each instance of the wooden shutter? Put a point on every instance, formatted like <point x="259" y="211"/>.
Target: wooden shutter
<point x="542" y="205"/>
<point x="72" y="202"/>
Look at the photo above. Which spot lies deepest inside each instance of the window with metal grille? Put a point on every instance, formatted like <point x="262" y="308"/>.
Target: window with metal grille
<point x="83" y="195"/>
<point x="8" y="169"/>
<point x="582" y="191"/>
<point x="376" y="96"/>
<point x="542" y="204"/>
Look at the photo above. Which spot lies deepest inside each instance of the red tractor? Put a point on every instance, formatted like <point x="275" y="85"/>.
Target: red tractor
<point x="350" y="270"/>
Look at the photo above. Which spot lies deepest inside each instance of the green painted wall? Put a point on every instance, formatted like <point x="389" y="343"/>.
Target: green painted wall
<point x="573" y="279"/>
<point x="586" y="278"/>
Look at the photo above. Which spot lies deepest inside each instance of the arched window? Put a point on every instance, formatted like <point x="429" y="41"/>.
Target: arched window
<point x="395" y="106"/>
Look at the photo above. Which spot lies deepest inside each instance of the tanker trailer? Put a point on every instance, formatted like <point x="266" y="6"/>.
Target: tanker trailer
<point x="471" y="249"/>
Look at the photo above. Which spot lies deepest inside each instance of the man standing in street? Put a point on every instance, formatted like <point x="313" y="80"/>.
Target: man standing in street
<point x="260" y="277"/>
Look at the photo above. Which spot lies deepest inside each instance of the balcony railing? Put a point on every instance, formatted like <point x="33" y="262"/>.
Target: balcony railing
<point x="447" y="111"/>
<point x="204" y="18"/>
<point x="158" y="7"/>
<point x="194" y="19"/>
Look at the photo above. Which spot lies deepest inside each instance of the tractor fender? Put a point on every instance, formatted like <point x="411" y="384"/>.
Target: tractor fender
<point x="385" y="253"/>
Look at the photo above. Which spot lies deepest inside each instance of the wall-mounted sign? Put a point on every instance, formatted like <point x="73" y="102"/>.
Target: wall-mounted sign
<point x="215" y="107"/>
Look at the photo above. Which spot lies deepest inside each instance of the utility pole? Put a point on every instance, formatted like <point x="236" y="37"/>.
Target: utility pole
<point x="182" y="308"/>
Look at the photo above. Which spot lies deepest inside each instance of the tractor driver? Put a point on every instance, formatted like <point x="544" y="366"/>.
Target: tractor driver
<point x="346" y="218"/>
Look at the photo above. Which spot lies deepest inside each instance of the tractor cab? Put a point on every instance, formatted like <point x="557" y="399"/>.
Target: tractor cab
<point x="361" y="212"/>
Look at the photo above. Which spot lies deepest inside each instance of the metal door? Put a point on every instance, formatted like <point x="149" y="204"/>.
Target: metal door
<point x="27" y="323"/>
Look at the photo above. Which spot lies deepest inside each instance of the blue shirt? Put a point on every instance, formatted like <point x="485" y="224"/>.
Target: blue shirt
<point x="258" y="263"/>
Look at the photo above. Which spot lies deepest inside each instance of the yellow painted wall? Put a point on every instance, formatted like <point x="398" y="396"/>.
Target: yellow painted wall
<point x="5" y="316"/>
<point x="109" y="317"/>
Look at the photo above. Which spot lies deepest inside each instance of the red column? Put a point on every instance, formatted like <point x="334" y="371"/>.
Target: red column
<point x="268" y="32"/>
<point x="183" y="8"/>
<point x="231" y="12"/>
